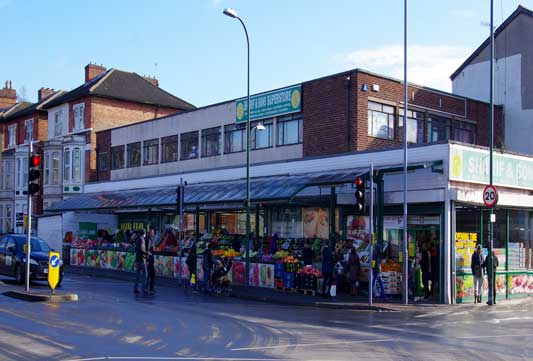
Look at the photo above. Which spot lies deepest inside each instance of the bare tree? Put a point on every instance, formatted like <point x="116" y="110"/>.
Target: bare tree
<point x="22" y="94"/>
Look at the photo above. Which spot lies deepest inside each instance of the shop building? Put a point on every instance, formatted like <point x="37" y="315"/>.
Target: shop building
<point x="319" y="136"/>
<point x="513" y="74"/>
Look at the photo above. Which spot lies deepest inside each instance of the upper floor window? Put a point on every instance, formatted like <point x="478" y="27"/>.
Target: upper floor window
<point x="235" y="138"/>
<point x="28" y="134"/>
<point x="415" y="126"/>
<point x="117" y="157"/>
<point x="102" y="162"/>
<point x="12" y="140"/>
<point x="76" y="165"/>
<point x="22" y="172"/>
<point x="6" y="176"/>
<point x="380" y="120"/>
<point x="263" y="138"/>
<point x="464" y="132"/>
<point x="438" y="129"/>
<point x="134" y="154"/>
<point x="290" y="129"/>
<point x="151" y="151"/>
<point x="46" y="166"/>
<point x="79" y="111"/>
<point x="211" y="142"/>
<point x="55" y="168"/>
<point x="189" y="145"/>
<point x="58" y="123"/>
<point x="169" y="148"/>
<point x="66" y="165"/>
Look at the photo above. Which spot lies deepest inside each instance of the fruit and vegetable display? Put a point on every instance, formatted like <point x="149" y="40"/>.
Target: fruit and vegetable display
<point x="391" y="266"/>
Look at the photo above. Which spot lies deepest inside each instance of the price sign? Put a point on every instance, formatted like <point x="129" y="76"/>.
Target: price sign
<point x="490" y="196"/>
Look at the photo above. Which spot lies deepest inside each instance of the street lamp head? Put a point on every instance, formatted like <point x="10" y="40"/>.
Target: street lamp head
<point x="230" y="12"/>
<point x="260" y="127"/>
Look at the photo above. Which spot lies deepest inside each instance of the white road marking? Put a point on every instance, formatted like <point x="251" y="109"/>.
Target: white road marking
<point x="489" y="336"/>
<point x="311" y="344"/>
<point x="173" y="358"/>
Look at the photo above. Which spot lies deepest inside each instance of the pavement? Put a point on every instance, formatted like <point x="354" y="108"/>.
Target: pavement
<point x="109" y="322"/>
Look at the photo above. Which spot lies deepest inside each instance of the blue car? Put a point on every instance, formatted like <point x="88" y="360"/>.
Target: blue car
<point x="13" y="258"/>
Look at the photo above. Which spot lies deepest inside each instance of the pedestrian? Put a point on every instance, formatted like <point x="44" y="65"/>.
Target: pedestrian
<point x="308" y="254"/>
<point x="207" y="264"/>
<point x="236" y="243"/>
<point x="425" y="266"/>
<point x="150" y="266"/>
<point x="491" y="276"/>
<point x="477" y="272"/>
<point x="327" y="269"/>
<point x="376" y="272"/>
<point x="140" y="262"/>
<point x="191" y="262"/>
<point x="354" y="266"/>
<point x="435" y="271"/>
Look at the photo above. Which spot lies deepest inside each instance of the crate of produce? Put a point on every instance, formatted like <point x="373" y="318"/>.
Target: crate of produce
<point x="310" y="282"/>
<point x="278" y="283"/>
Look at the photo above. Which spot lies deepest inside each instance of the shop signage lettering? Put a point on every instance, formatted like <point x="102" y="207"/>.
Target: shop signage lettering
<point x="465" y="236"/>
<point x="274" y="103"/>
<point x="473" y="166"/>
<point x="131" y="226"/>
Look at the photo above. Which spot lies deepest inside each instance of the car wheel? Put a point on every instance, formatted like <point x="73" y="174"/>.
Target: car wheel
<point x="19" y="274"/>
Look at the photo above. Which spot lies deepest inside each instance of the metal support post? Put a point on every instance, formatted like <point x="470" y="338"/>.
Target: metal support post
<point x="371" y="227"/>
<point x="28" y="231"/>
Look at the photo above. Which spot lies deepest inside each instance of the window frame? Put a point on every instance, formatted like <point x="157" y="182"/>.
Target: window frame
<point x="229" y="131"/>
<point x="102" y="162"/>
<point x="438" y="122"/>
<point x="269" y="130"/>
<point x="76" y="165"/>
<point x="12" y="135"/>
<point x="79" y="114"/>
<point x="150" y="145"/>
<point x="375" y="108"/>
<point x="280" y="125"/>
<point x="420" y="119"/>
<point x="67" y="165"/>
<point x="54" y="167"/>
<point x="210" y="132"/>
<point x="46" y="166"/>
<point x="186" y="137"/>
<point x="170" y="141"/>
<point x="58" y="123"/>
<point x="137" y="147"/>
<point x="122" y="151"/>
<point x="460" y="125"/>
<point x="26" y="133"/>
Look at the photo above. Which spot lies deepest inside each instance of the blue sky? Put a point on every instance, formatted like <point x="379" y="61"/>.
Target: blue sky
<point x="199" y="54"/>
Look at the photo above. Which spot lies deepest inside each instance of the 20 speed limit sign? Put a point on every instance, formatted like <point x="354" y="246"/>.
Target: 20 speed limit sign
<point x="490" y="196"/>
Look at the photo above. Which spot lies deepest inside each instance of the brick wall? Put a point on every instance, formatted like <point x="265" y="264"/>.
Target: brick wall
<point x="104" y="113"/>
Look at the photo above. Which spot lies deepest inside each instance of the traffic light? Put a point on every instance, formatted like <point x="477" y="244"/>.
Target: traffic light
<point x="359" y="195"/>
<point x="34" y="174"/>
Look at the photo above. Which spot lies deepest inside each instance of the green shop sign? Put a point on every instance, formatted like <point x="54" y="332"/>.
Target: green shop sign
<point x="472" y="165"/>
<point x="271" y="104"/>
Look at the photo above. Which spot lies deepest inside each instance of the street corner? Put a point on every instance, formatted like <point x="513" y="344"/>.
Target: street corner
<point x="42" y="296"/>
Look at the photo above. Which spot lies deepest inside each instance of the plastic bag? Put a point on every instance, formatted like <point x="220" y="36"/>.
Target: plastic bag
<point x="333" y="290"/>
<point x="193" y="279"/>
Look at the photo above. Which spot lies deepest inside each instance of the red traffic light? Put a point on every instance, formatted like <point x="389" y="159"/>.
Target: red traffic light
<point x="35" y="160"/>
<point x="358" y="181"/>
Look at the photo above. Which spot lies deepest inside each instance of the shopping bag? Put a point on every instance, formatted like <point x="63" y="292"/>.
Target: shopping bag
<point x="333" y="290"/>
<point x="193" y="279"/>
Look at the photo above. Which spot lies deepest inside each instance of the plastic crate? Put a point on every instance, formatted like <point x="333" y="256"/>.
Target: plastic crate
<point x="279" y="269"/>
<point x="288" y="280"/>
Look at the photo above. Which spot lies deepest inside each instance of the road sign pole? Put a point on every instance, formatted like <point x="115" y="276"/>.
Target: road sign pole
<point x="491" y="223"/>
<point x="371" y="226"/>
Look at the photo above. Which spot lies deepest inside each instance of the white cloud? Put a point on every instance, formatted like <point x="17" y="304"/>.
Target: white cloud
<point x="429" y="65"/>
<point x="215" y="3"/>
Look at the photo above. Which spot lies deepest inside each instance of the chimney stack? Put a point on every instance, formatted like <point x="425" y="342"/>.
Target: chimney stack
<point x="92" y="71"/>
<point x="8" y="95"/>
<point x="44" y="93"/>
<point x="152" y="80"/>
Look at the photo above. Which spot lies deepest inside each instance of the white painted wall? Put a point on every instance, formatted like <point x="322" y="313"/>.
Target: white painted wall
<point x="474" y="82"/>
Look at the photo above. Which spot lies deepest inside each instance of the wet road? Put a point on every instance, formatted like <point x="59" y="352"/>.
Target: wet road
<point x="109" y="322"/>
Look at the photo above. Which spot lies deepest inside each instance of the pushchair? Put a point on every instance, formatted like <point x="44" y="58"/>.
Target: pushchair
<point x="219" y="277"/>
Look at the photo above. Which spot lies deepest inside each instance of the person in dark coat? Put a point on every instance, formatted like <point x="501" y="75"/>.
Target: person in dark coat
<point x="140" y="262"/>
<point x="477" y="271"/>
<point x="492" y="276"/>
<point x="207" y="264"/>
<point x="435" y="268"/>
<point x="150" y="266"/>
<point x="425" y="267"/>
<point x="327" y="269"/>
<point x="236" y="244"/>
<point x="354" y="266"/>
<point x="376" y="271"/>
<point x="308" y="254"/>
<point x="191" y="263"/>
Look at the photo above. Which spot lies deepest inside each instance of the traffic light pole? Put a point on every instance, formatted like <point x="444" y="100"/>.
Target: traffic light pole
<point x="28" y="237"/>
<point x="371" y="226"/>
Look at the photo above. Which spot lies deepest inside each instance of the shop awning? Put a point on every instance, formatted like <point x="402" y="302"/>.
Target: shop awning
<point x="262" y="189"/>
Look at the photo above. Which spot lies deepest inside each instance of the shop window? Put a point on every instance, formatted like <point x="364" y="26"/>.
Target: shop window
<point x="520" y="240"/>
<point x="134" y="154"/>
<point x="438" y="129"/>
<point x="12" y="130"/>
<point x="28" y="134"/>
<point x="211" y="142"/>
<point x="464" y="132"/>
<point x="263" y="138"/>
<point x="151" y="151"/>
<point x="235" y="138"/>
<point x="287" y="222"/>
<point x="79" y="110"/>
<point x="415" y="126"/>
<point x="102" y="162"/>
<point x="67" y="165"/>
<point x="55" y="168"/>
<point x="290" y="129"/>
<point x="169" y="148"/>
<point x="189" y="145"/>
<point x="380" y="120"/>
<point x="117" y="157"/>
<point x="76" y="165"/>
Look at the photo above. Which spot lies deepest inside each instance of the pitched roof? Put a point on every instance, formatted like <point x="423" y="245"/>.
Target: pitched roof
<point x="122" y="85"/>
<point x="7" y="112"/>
<point x="519" y="10"/>
<point x="28" y="108"/>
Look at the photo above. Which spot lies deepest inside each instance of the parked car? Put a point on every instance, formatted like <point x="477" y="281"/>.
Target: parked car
<point x="13" y="258"/>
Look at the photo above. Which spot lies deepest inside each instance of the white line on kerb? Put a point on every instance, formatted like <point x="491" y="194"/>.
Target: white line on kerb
<point x="491" y="336"/>
<point x="173" y="358"/>
<point x="310" y="344"/>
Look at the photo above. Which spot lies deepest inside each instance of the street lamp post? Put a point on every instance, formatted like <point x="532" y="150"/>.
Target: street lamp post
<point x="233" y="14"/>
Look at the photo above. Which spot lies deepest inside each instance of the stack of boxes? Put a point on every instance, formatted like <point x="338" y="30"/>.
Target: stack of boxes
<point x="392" y="282"/>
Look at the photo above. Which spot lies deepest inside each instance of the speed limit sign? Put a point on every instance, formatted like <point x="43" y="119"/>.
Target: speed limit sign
<point x="490" y="196"/>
